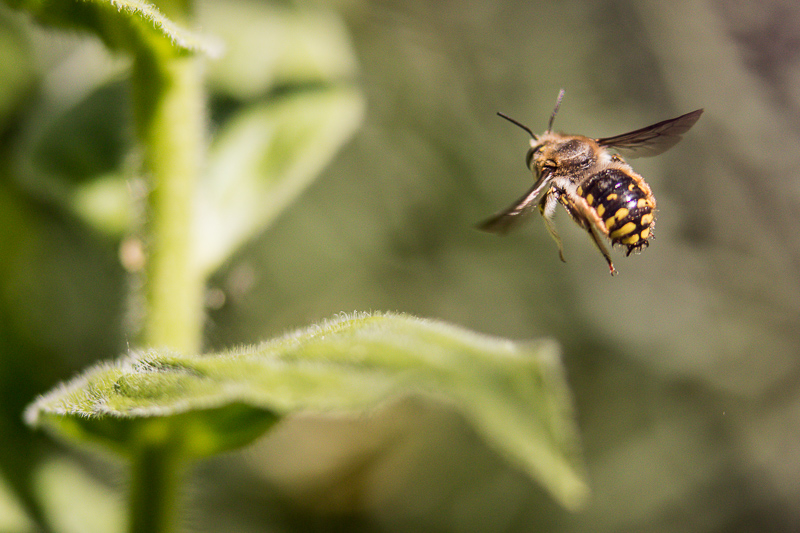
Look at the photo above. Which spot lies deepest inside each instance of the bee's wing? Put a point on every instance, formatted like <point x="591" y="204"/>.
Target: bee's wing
<point x="654" y="139"/>
<point x="510" y="218"/>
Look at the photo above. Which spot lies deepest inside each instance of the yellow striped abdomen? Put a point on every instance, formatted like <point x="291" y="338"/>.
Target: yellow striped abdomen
<point x="624" y="206"/>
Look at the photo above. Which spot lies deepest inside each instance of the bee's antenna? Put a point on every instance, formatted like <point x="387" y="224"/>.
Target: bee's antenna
<point x="524" y="127"/>
<point x="553" y="116"/>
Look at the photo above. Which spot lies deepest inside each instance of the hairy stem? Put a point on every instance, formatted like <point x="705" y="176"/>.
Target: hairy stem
<point x="170" y="118"/>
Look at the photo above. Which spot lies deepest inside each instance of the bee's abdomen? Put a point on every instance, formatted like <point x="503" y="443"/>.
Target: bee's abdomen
<point x="626" y="209"/>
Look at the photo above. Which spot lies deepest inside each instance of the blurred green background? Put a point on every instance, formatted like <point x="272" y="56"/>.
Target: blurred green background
<point x="684" y="367"/>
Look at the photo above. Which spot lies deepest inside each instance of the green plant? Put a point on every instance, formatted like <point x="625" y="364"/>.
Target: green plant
<point x="165" y="406"/>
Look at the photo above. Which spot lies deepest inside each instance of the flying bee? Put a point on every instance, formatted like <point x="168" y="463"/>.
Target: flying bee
<point x="599" y="190"/>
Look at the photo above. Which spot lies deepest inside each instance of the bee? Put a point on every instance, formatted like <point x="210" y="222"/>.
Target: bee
<point x="598" y="189"/>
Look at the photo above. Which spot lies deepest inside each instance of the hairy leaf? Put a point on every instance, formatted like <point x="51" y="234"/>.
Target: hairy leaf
<point x="514" y="394"/>
<point x="118" y="22"/>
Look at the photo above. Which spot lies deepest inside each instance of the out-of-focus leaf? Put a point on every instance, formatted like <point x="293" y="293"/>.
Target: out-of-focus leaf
<point x="74" y="502"/>
<point x="514" y="394"/>
<point x="119" y="22"/>
<point x="61" y="157"/>
<point x="12" y="516"/>
<point x="49" y="270"/>
<point x="17" y="71"/>
<point x="106" y="203"/>
<point x="87" y="140"/>
<point x="261" y="161"/>
<point x="268" y="45"/>
<point x="74" y="156"/>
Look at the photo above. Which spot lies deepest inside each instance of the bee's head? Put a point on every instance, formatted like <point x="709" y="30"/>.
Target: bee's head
<point x="536" y="145"/>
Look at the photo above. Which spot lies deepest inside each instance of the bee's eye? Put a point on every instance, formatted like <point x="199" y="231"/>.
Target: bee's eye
<point x="529" y="157"/>
<point x="531" y="154"/>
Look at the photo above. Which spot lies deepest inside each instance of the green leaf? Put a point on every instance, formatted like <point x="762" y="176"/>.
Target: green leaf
<point x="269" y="45"/>
<point x="74" y="502"/>
<point x="265" y="156"/>
<point x="86" y="140"/>
<point x="12" y="514"/>
<point x="17" y="70"/>
<point x="180" y="37"/>
<point x="73" y="154"/>
<point x="118" y="22"/>
<point x="514" y="394"/>
<point x="106" y="204"/>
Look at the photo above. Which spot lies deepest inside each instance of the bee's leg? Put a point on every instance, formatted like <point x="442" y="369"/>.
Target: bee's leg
<point x="578" y="217"/>
<point x="547" y="207"/>
<point x="601" y="247"/>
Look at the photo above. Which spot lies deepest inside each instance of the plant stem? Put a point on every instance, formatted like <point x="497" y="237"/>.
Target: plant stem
<point x="156" y="475"/>
<point x="170" y="118"/>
